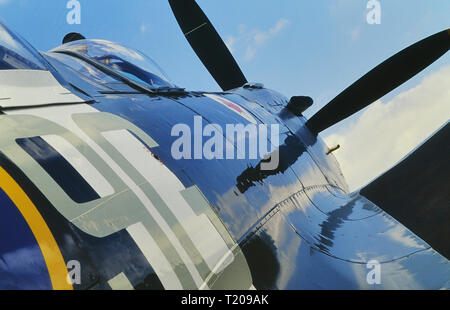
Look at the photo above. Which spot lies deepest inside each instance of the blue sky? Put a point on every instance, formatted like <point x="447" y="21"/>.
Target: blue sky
<point x="314" y="48"/>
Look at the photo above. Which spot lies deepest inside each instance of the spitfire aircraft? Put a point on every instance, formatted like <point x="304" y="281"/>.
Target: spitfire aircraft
<point x="92" y="196"/>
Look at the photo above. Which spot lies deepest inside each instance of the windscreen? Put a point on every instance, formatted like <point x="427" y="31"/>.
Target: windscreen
<point x="127" y="62"/>
<point x="16" y="53"/>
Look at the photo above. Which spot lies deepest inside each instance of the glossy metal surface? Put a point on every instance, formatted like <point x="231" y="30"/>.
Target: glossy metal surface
<point x="290" y="262"/>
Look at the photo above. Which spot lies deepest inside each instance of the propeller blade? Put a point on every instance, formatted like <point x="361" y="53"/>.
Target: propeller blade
<point x="207" y="44"/>
<point x="381" y="80"/>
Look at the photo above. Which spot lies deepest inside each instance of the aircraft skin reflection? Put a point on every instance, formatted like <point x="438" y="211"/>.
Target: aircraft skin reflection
<point x="288" y="152"/>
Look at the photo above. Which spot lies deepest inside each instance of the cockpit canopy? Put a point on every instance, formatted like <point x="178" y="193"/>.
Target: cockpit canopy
<point x="16" y="53"/>
<point x="128" y="63"/>
<point x="51" y="78"/>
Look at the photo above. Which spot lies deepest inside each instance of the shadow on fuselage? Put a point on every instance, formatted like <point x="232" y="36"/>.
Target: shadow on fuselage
<point x="289" y="152"/>
<point x="260" y="253"/>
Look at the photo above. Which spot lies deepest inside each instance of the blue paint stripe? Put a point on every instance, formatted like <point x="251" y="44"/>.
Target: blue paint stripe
<point x="73" y="184"/>
<point x="22" y="265"/>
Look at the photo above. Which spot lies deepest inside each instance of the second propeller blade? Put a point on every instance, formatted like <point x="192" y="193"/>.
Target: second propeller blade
<point x="381" y="80"/>
<point x="207" y="44"/>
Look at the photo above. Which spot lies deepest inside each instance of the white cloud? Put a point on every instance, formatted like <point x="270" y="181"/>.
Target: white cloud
<point x="260" y="37"/>
<point x="143" y="28"/>
<point x="251" y="40"/>
<point x="229" y="42"/>
<point x="385" y="133"/>
<point x="280" y="25"/>
<point x="250" y="53"/>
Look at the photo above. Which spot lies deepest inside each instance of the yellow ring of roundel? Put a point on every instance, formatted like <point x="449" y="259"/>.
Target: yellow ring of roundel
<point x="49" y="248"/>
